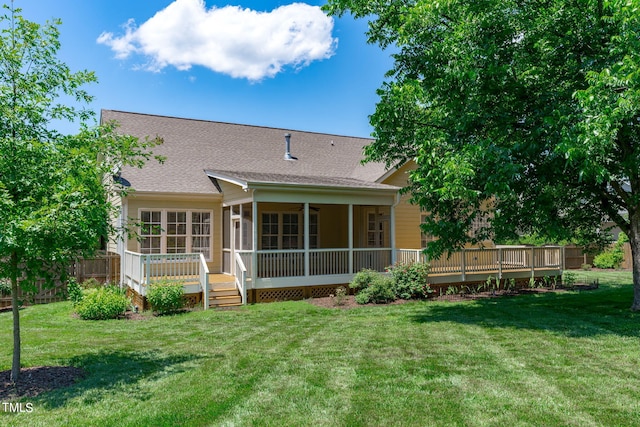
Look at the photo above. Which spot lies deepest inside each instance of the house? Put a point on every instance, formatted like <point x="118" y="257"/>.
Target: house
<point x="251" y="213"/>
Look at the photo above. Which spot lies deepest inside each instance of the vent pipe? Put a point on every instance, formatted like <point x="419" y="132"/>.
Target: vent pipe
<point x="287" y="153"/>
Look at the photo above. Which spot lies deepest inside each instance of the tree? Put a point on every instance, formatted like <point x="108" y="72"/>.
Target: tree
<point x="533" y="106"/>
<point x="54" y="204"/>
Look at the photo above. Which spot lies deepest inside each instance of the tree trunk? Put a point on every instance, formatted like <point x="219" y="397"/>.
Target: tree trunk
<point x="15" y="367"/>
<point x="634" y="240"/>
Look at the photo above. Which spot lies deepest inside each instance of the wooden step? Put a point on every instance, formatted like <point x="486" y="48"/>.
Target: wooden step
<point x="222" y="285"/>
<point x="225" y="301"/>
<point x="223" y="292"/>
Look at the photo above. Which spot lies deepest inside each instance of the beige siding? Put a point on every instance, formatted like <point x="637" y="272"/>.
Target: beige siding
<point x="233" y="194"/>
<point x="407" y="215"/>
<point x="135" y="204"/>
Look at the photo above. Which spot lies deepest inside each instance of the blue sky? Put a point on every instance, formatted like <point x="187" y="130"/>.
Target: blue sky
<point x="267" y="63"/>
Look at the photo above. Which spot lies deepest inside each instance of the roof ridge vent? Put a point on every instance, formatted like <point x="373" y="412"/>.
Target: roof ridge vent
<point x="287" y="152"/>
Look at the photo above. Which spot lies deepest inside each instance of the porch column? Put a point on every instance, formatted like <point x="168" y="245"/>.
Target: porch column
<point x="306" y="239"/>
<point x="392" y="231"/>
<point x="254" y="252"/>
<point x="350" y="233"/>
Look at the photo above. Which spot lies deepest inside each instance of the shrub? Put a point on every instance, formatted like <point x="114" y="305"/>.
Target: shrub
<point x="340" y="295"/>
<point x="363" y="279"/>
<point x="74" y="291"/>
<point x="410" y="280"/>
<point x="166" y="297"/>
<point x="380" y="290"/>
<point x="613" y="257"/>
<point x="102" y="303"/>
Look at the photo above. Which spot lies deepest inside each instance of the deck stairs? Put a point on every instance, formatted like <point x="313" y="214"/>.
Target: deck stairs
<point x="223" y="291"/>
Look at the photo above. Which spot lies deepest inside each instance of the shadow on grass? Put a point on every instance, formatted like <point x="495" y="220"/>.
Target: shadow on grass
<point x="116" y="371"/>
<point x="575" y="314"/>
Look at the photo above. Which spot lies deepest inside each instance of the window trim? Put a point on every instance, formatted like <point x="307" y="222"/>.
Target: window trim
<point x="301" y="228"/>
<point x="189" y="231"/>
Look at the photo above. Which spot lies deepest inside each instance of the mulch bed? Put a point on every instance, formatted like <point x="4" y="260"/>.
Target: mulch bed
<point x="36" y="380"/>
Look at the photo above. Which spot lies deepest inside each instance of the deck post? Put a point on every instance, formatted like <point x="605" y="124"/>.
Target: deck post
<point x="533" y="263"/>
<point x="306" y="239"/>
<point x="148" y="270"/>
<point x="562" y="262"/>
<point x="499" y="265"/>
<point x="254" y="253"/>
<point x="463" y="263"/>
<point x="350" y="232"/>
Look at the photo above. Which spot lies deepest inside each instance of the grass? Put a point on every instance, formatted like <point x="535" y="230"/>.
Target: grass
<point x="567" y="358"/>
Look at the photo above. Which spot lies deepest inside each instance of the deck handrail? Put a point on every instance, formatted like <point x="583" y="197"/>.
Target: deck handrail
<point x="204" y="281"/>
<point x="504" y="258"/>
<point x="241" y="277"/>
<point x="139" y="270"/>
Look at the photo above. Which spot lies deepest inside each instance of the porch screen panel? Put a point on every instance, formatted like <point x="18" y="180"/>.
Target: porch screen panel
<point x="151" y="232"/>
<point x="269" y="231"/>
<point x="290" y="231"/>
<point x="201" y="233"/>
<point x="313" y="231"/>
<point x="176" y="232"/>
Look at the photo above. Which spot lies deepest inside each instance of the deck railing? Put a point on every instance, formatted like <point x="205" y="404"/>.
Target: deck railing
<point x="288" y="263"/>
<point x="322" y="262"/>
<point x="500" y="259"/>
<point x="139" y="270"/>
<point x="241" y="277"/>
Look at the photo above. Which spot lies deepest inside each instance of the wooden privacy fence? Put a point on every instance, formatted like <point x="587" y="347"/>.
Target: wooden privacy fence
<point x="575" y="257"/>
<point x="104" y="267"/>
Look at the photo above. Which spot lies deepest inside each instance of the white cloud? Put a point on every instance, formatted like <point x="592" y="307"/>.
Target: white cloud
<point x="239" y="42"/>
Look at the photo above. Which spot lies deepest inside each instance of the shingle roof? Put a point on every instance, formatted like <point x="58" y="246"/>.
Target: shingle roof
<point x="248" y="178"/>
<point x="193" y="146"/>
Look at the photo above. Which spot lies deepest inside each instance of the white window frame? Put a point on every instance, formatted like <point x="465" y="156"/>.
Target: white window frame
<point x="300" y="236"/>
<point x="189" y="234"/>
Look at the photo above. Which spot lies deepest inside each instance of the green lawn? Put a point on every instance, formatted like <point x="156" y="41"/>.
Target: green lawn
<point x="569" y="359"/>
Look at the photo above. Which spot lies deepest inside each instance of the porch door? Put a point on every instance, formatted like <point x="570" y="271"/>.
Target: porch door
<point x="235" y="243"/>
<point x="377" y="226"/>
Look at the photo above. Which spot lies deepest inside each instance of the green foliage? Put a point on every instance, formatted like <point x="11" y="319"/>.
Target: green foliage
<point x="612" y="257"/>
<point x="54" y="205"/>
<point x="380" y="290"/>
<point x="364" y="279"/>
<point x="411" y="280"/>
<point x="340" y="295"/>
<point x="569" y="279"/>
<point x="372" y="286"/>
<point x="5" y="287"/>
<point x="166" y="296"/>
<point x="534" y="109"/>
<point x="107" y="302"/>
<point x="74" y="291"/>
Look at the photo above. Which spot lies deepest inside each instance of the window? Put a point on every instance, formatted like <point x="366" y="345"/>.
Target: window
<point x="480" y="224"/>
<point x="270" y="226"/>
<point x="424" y="237"/>
<point x="290" y="231"/>
<point x="285" y="230"/>
<point x="201" y="233"/>
<point x="150" y="232"/>
<point x="314" y="242"/>
<point x="175" y="232"/>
